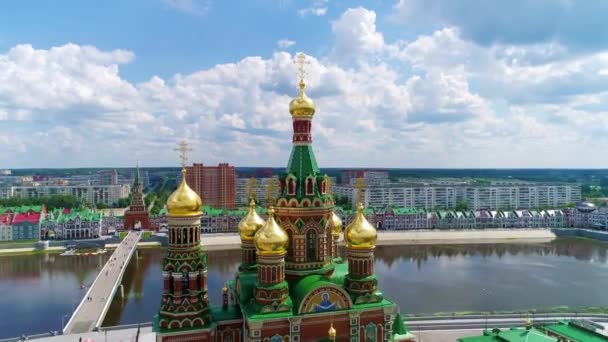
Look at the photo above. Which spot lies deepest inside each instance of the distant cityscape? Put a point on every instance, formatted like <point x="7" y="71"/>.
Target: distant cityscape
<point x="403" y="203"/>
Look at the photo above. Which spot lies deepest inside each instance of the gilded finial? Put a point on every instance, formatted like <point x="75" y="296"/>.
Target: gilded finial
<point x="252" y="185"/>
<point x="332" y="332"/>
<point x="225" y="288"/>
<point x="360" y="185"/>
<point x="301" y="62"/>
<point x="183" y="149"/>
<point x="270" y="191"/>
<point x="328" y="185"/>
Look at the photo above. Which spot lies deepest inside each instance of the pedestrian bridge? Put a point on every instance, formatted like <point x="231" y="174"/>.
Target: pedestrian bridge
<point x="92" y="310"/>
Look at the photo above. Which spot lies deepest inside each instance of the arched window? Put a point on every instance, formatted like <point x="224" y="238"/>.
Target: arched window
<point x="171" y="285"/>
<point x="311" y="245"/>
<point x="291" y="187"/>
<point x="370" y="332"/>
<point x="310" y="187"/>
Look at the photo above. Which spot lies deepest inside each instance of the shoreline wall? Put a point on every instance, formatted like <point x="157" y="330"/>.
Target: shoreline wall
<point x="420" y="237"/>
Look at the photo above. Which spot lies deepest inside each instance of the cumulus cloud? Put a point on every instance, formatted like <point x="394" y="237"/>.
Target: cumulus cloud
<point x="438" y="100"/>
<point x="577" y="23"/>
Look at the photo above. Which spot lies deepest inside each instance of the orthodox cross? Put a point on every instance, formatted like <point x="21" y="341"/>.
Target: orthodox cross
<point x="360" y="185"/>
<point x="270" y="191"/>
<point x="252" y="184"/>
<point x="301" y="62"/>
<point x="183" y="150"/>
<point x="328" y="185"/>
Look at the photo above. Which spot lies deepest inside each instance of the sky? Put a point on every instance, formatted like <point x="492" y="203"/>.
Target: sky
<point x="396" y="83"/>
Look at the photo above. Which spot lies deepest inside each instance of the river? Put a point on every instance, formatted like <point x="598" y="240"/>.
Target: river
<point x="38" y="291"/>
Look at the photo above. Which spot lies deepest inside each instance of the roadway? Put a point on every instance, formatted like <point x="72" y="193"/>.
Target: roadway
<point x="91" y="311"/>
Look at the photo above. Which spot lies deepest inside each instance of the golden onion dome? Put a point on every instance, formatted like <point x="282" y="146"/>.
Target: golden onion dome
<point x="337" y="223"/>
<point x="331" y="332"/>
<point x="184" y="201"/>
<point x="360" y="233"/>
<point x="302" y="106"/>
<point x="271" y="239"/>
<point x="250" y="224"/>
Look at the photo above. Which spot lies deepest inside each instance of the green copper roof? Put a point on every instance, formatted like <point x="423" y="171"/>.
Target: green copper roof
<point x="399" y="327"/>
<point x="136" y="181"/>
<point x="575" y="333"/>
<point x="302" y="163"/>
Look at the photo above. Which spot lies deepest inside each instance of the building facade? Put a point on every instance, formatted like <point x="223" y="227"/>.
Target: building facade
<point x="477" y="197"/>
<point x="262" y="187"/>
<point x="91" y="194"/>
<point x="216" y="185"/>
<point x="107" y="177"/>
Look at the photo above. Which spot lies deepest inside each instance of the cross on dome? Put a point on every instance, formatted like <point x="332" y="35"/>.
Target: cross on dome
<point x="252" y="184"/>
<point x="360" y="185"/>
<point x="183" y="150"/>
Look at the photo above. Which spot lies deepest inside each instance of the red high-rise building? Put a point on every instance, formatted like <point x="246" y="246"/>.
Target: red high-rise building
<point x="216" y="185"/>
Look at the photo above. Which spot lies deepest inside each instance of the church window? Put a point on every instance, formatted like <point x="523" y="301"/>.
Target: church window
<point x="291" y="186"/>
<point x="309" y="186"/>
<point x="370" y="332"/>
<point x="311" y="250"/>
<point x="290" y="246"/>
<point x="171" y="284"/>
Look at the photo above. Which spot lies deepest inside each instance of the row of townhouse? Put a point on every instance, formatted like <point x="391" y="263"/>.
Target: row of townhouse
<point x="70" y="224"/>
<point x="21" y="223"/>
<point x="410" y="218"/>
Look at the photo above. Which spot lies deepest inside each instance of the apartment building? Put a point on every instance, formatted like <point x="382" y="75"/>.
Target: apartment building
<point x="477" y="197"/>
<point x="92" y="194"/>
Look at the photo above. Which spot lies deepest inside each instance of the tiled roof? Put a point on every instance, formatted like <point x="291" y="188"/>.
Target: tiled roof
<point x="26" y="217"/>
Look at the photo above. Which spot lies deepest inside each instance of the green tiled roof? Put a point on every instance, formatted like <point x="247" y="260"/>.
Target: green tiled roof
<point x="302" y="163"/>
<point x="575" y="333"/>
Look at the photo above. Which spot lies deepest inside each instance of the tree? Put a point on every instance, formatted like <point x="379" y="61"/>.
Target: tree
<point x="462" y="206"/>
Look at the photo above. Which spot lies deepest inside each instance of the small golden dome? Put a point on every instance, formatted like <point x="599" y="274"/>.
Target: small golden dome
<point x="184" y="201"/>
<point x="271" y="239"/>
<point x="360" y="233"/>
<point x="331" y="332"/>
<point x="250" y="224"/>
<point x="337" y="223"/>
<point x="302" y="106"/>
<point x="225" y="288"/>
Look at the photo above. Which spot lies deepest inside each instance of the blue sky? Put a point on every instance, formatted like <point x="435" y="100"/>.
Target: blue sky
<point x="401" y="83"/>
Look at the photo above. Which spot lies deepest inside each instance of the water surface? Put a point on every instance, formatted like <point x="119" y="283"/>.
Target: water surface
<point x="419" y="278"/>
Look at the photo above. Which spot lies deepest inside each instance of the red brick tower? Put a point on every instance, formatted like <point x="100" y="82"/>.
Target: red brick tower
<point x="137" y="211"/>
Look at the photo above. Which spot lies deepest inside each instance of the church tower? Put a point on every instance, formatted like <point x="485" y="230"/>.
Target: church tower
<point x="137" y="212"/>
<point x="304" y="205"/>
<point x="184" y="304"/>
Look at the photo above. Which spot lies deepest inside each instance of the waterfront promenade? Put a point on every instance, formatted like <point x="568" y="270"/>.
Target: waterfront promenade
<point x="411" y="237"/>
<point x="92" y="309"/>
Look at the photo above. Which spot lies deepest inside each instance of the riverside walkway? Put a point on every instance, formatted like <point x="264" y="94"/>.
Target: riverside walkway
<point x="91" y="311"/>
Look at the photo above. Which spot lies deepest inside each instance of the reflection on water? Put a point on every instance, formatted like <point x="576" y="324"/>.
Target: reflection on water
<point x="420" y="278"/>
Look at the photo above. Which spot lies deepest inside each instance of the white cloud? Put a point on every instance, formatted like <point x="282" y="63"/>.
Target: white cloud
<point x="355" y="34"/>
<point x="195" y="7"/>
<point x="285" y="43"/>
<point x="439" y="100"/>
<point x="318" y="8"/>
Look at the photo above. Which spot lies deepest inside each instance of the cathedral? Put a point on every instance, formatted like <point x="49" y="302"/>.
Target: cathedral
<point x="291" y="284"/>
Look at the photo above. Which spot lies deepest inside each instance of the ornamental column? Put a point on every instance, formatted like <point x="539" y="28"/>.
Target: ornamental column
<point x="248" y="226"/>
<point x="272" y="291"/>
<point x="361" y="239"/>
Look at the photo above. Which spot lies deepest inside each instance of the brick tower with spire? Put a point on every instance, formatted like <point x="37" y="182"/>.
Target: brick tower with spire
<point x="137" y="212"/>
